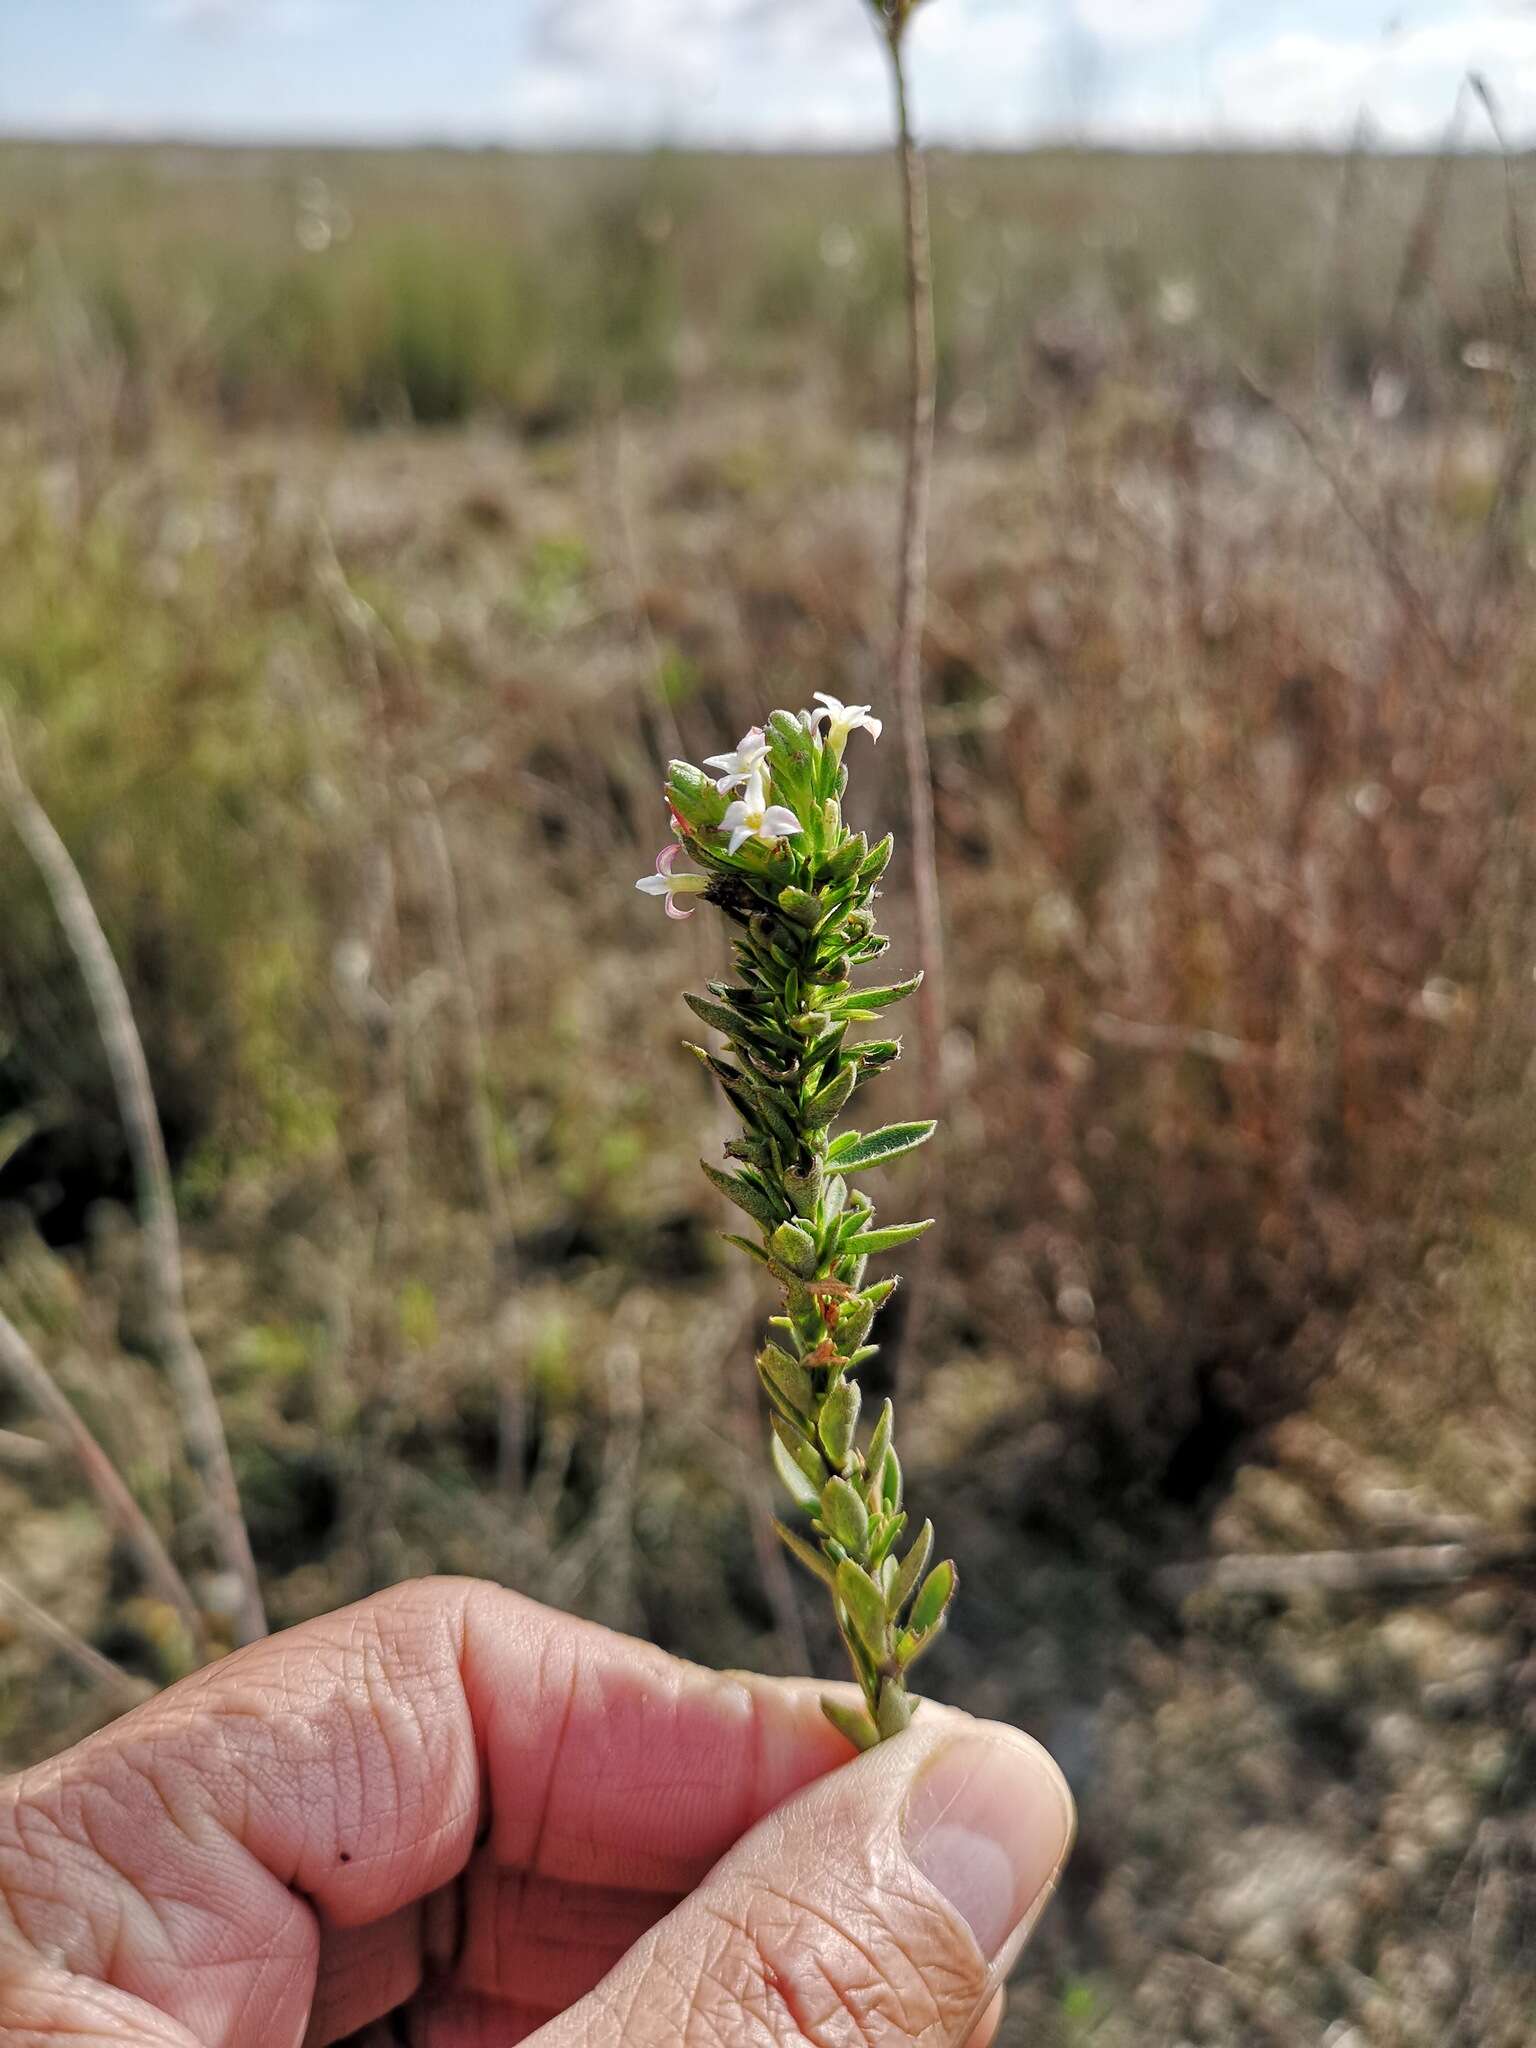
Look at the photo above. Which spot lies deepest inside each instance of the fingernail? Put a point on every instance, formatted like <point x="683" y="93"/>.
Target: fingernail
<point x="989" y="1823"/>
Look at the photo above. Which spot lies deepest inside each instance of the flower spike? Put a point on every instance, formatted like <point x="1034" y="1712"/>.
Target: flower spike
<point x="803" y="926"/>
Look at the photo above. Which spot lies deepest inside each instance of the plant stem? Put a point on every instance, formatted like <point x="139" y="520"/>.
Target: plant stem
<point x="202" y="1425"/>
<point x="912" y="579"/>
<point x="120" y="1686"/>
<point x="36" y="1385"/>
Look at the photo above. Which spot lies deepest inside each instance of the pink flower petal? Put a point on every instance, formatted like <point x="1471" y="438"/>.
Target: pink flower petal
<point x="666" y="857"/>
<point x="674" y="911"/>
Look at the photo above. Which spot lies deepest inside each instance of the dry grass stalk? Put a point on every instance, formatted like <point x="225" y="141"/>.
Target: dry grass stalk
<point x="207" y="1447"/>
<point x="120" y="1686"/>
<point x="37" y="1386"/>
<point x="474" y="1067"/>
<point x="1373" y="529"/>
<point x="1492" y="560"/>
<point x="1403" y="1567"/>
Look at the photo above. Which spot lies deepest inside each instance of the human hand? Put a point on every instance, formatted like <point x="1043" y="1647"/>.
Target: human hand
<point x="497" y="1824"/>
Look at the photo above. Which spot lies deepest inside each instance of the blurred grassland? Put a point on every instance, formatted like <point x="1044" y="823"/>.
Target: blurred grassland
<point x="358" y="289"/>
<point x="373" y="527"/>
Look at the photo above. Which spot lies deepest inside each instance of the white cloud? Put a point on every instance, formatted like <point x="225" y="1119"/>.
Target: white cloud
<point x="232" y="17"/>
<point x="1140" y="23"/>
<point x="764" y="72"/>
<point x="1316" y="86"/>
<point x="711" y="70"/>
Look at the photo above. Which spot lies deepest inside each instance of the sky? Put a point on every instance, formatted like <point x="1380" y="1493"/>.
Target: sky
<point x="756" y="73"/>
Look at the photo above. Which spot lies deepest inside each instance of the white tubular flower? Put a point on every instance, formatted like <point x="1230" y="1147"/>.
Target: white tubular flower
<point x="665" y="883"/>
<point x="751" y="752"/>
<point x="842" y="719"/>
<point x="753" y="817"/>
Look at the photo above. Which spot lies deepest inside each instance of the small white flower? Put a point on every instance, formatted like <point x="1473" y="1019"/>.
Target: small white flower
<point x="751" y="752"/>
<point x="842" y="719"/>
<point x="665" y="883"/>
<point x="753" y="817"/>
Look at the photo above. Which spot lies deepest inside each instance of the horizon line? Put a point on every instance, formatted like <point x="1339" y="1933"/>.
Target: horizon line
<point x="236" y="142"/>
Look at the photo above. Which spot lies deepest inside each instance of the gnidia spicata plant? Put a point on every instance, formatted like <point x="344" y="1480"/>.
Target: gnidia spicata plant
<point x="765" y="830"/>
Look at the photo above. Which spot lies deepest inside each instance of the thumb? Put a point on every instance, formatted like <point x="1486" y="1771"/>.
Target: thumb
<point x="886" y="1902"/>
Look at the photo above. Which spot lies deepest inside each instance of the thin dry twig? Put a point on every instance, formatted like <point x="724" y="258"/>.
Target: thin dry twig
<point x="1405" y="1567"/>
<point x="1424" y="238"/>
<point x="203" y="1427"/>
<point x="639" y="608"/>
<point x="1493" y="550"/>
<point x="1373" y="532"/>
<point x="474" y="1076"/>
<point x="37" y="1386"/>
<point x="1180" y="1039"/>
<point x="119" y="1685"/>
<point x="23" y="1453"/>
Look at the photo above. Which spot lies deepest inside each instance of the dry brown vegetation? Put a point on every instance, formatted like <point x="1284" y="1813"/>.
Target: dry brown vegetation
<point x="350" y="595"/>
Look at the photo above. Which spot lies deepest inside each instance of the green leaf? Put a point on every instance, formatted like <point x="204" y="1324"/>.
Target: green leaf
<point x="716" y="1015"/>
<point x="745" y="1244"/>
<point x="894" y="1714"/>
<point x="848" y="859"/>
<point x="856" y="1149"/>
<point x="864" y="1001"/>
<point x="694" y="797"/>
<point x="806" y="1554"/>
<point x="877" y="860"/>
<point x="879" y="1551"/>
<point x="845" y="1514"/>
<point x="789" y="742"/>
<point x="824" y="1106"/>
<point x="865" y="1242"/>
<point x="853" y="1321"/>
<point x="789" y="1379"/>
<point x="796" y="1485"/>
<point x="911" y="1570"/>
<point x="932" y="1603"/>
<point x="890" y="1480"/>
<point x="880" y="1442"/>
<point x="801" y="907"/>
<point x="866" y="1606"/>
<point x="854" y="1722"/>
<point x="754" y="1199"/>
<point x="795" y="1248"/>
<point x="838" y="1419"/>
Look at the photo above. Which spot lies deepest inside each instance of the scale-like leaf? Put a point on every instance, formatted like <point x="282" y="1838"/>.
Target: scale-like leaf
<point x="806" y="1553"/>
<point x="845" y="1514"/>
<point x="932" y="1603"/>
<point x="856" y="1149"/>
<point x="865" y="1001"/>
<point x="865" y="1604"/>
<point x="854" y="1722"/>
<point x="746" y="1194"/>
<point x="865" y="1242"/>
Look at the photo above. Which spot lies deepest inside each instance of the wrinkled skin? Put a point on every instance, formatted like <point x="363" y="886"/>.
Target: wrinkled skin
<point x="451" y="1817"/>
